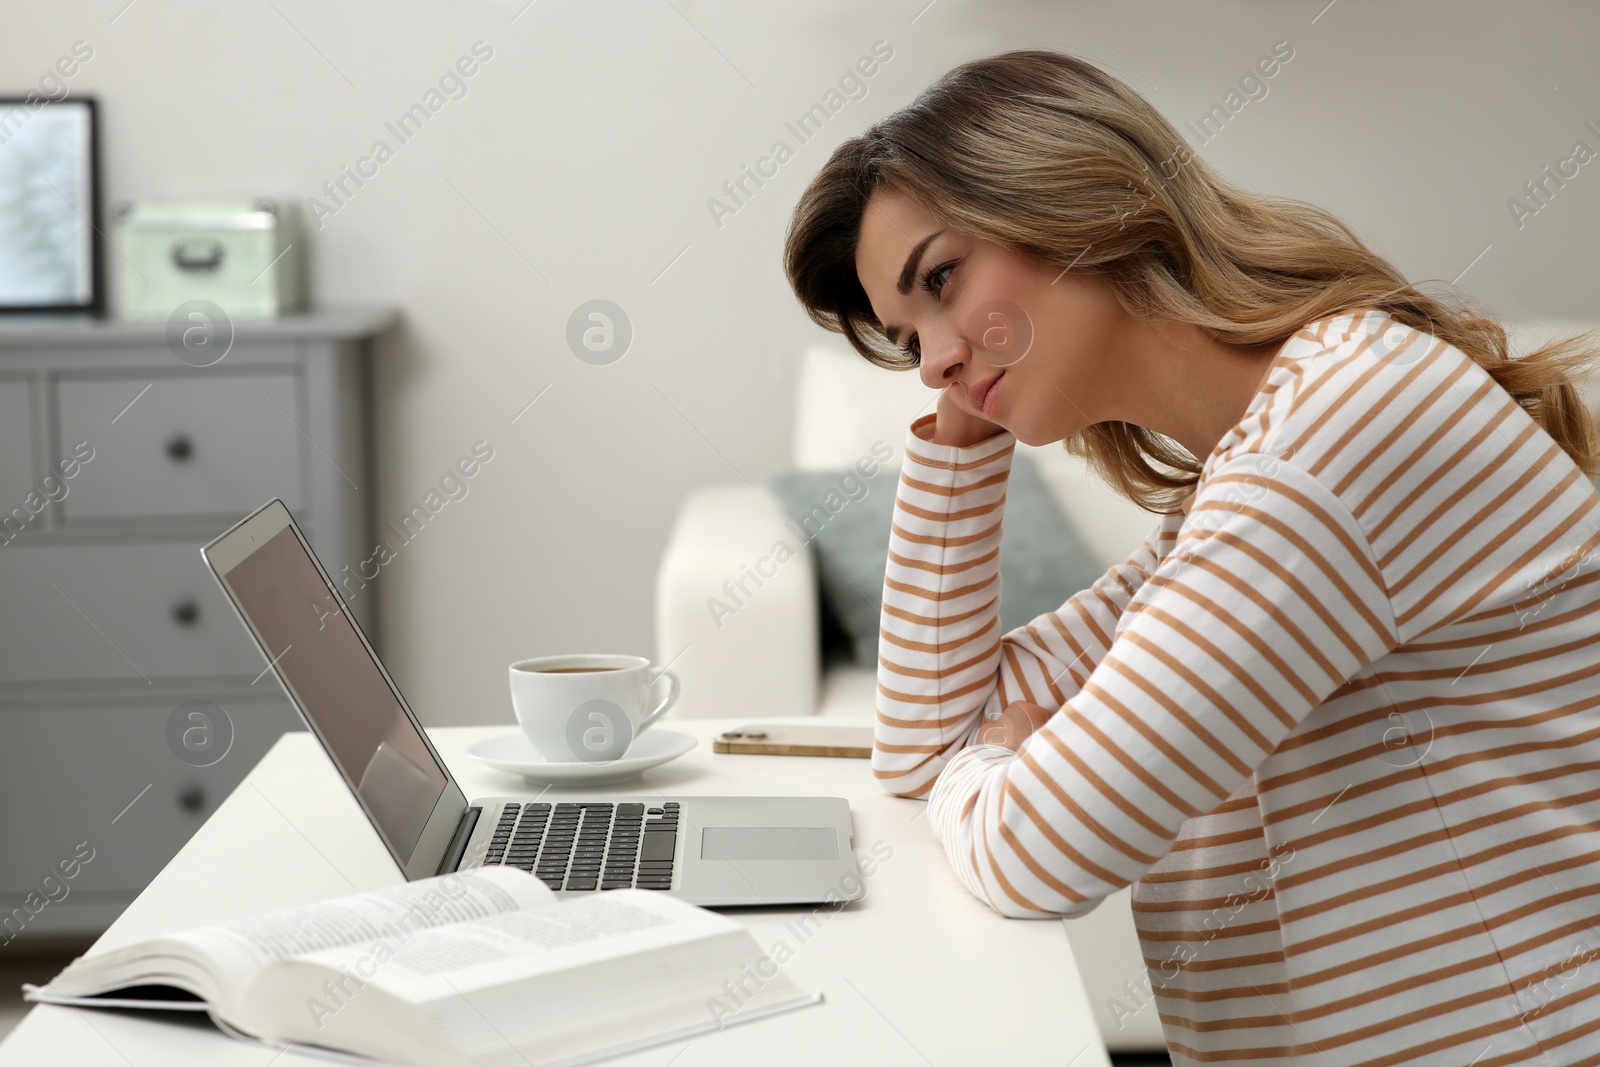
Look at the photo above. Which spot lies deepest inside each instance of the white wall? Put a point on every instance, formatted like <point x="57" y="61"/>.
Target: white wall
<point x="587" y="147"/>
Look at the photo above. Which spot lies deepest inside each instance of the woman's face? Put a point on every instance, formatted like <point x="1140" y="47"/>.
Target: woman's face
<point x="973" y="309"/>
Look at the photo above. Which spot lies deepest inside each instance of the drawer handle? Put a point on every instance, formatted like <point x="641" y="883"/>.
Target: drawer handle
<point x="186" y="613"/>
<point x="197" y="255"/>
<point x="192" y="799"/>
<point x="180" y="448"/>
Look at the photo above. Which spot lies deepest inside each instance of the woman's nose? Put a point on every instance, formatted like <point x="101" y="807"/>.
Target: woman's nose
<point x="943" y="355"/>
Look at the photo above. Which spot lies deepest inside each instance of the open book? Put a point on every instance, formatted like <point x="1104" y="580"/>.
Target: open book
<point x="480" y="967"/>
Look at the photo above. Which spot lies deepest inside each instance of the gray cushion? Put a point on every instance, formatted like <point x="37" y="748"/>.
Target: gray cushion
<point x="1043" y="561"/>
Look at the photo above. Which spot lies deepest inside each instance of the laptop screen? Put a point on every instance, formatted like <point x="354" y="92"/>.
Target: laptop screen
<point x="339" y="687"/>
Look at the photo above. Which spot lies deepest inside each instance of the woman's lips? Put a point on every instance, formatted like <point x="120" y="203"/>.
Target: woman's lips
<point x="983" y="397"/>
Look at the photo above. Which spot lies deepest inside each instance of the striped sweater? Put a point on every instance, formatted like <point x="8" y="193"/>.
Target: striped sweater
<point x="1338" y="722"/>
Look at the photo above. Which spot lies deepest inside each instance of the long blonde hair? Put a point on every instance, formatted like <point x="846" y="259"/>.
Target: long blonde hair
<point x="1052" y="157"/>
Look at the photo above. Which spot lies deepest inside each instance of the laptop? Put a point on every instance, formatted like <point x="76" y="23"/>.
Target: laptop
<point x="707" y="850"/>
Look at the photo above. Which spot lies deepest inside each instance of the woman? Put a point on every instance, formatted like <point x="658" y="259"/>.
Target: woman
<point x="1334" y="719"/>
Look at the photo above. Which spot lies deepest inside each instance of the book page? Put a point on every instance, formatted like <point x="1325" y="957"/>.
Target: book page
<point x="218" y="961"/>
<point x="621" y="967"/>
<point x="362" y="917"/>
<point x="503" y="947"/>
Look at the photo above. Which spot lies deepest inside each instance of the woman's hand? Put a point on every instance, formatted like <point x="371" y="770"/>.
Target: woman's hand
<point x="953" y="425"/>
<point x="1015" y="725"/>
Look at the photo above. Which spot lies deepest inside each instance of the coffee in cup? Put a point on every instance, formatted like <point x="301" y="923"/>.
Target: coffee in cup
<point x="587" y="707"/>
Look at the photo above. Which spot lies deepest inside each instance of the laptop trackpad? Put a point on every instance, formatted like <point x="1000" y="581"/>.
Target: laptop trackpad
<point x="768" y="843"/>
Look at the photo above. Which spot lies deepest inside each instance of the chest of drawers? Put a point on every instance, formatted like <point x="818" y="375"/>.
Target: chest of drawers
<point x="132" y="700"/>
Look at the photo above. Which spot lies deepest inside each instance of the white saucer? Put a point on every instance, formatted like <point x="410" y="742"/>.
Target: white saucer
<point x="515" y="754"/>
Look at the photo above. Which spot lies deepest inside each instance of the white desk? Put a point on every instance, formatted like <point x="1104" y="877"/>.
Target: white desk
<point x="919" y="973"/>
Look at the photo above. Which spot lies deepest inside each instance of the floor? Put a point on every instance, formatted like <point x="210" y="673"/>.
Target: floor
<point x="18" y="965"/>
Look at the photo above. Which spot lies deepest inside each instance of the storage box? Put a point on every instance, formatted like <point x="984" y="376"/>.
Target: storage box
<point x="245" y="256"/>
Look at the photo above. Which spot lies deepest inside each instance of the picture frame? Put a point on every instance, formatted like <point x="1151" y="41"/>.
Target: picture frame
<point x="50" y="257"/>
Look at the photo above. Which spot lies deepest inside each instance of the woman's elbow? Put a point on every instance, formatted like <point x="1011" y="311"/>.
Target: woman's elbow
<point x="914" y="782"/>
<point x="1006" y="901"/>
<point x="898" y="786"/>
<point x="1012" y="909"/>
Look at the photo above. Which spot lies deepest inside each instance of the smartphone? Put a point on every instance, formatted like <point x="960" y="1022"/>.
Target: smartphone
<point x="796" y="739"/>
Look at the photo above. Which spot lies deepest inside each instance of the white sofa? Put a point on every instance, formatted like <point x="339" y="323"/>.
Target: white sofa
<point x="758" y="655"/>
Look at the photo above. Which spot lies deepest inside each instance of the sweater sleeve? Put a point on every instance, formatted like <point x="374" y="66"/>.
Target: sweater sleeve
<point x="943" y="665"/>
<point x="1268" y="602"/>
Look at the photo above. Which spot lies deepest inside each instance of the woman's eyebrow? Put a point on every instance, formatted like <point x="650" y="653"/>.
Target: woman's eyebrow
<point x="903" y="286"/>
<point x="909" y="271"/>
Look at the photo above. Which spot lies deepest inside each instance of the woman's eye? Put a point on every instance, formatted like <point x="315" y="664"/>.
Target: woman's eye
<point x="911" y="348"/>
<point x="940" y="272"/>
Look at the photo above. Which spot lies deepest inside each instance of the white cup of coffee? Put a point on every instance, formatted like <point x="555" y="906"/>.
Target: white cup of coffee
<point x="587" y="707"/>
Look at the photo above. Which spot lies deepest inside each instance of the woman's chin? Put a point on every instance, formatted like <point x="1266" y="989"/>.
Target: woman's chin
<point x="1025" y="434"/>
<point x="1036" y="438"/>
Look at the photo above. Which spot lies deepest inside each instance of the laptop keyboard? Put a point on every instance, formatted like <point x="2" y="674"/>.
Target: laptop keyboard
<point x="588" y="844"/>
